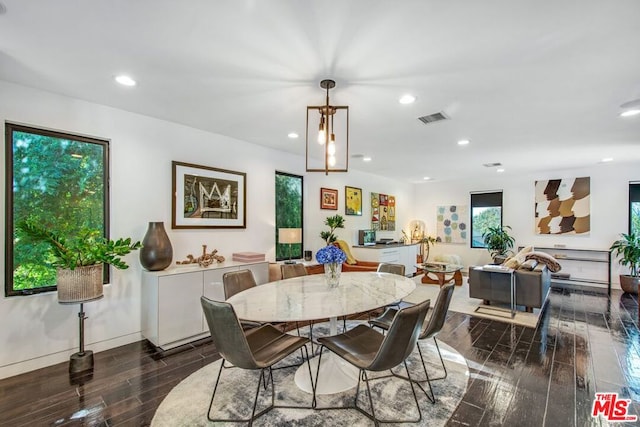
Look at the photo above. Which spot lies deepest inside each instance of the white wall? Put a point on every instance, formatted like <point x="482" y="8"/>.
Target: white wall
<point x="37" y="331"/>
<point x="609" y="208"/>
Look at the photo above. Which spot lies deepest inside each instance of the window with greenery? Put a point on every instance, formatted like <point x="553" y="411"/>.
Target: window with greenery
<point x="58" y="180"/>
<point x="486" y="211"/>
<point x="634" y="208"/>
<point x="288" y="212"/>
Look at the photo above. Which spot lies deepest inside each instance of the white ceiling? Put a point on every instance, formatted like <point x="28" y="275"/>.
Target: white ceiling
<point x="535" y="85"/>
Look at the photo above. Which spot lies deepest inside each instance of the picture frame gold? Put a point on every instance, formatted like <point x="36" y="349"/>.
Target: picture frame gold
<point x="352" y="201"/>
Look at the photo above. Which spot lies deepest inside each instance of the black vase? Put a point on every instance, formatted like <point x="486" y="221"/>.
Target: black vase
<point x="156" y="253"/>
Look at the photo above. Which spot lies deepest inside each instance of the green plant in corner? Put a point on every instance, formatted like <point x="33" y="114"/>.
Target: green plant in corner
<point x="88" y="247"/>
<point x="498" y="241"/>
<point x="333" y="222"/>
<point x="627" y="249"/>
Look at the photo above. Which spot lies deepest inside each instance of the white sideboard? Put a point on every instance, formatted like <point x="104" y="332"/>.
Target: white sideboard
<point x="171" y="311"/>
<point x="395" y="254"/>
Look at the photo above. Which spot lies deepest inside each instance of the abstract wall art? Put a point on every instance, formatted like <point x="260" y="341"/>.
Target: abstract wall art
<point x="562" y="206"/>
<point x="451" y="223"/>
<point x="383" y="212"/>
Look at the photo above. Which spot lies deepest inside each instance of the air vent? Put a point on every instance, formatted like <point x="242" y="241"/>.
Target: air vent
<point x="491" y="165"/>
<point x="431" y="118"/>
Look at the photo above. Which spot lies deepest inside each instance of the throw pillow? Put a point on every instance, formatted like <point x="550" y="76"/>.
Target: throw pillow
<point x="512" y="262"/>
<point x="546" y="259"/>
<point x="515" y="261"/>
<point x="345" y="248"/>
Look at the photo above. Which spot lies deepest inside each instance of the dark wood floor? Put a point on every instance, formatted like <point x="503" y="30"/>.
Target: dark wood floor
<point x="584" y="343"/>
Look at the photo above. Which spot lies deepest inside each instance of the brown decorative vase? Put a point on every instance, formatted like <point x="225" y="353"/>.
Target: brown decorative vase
<point x="629" y="284"/>
<point x="80" y="284"/>
<point x="156" y="252"/>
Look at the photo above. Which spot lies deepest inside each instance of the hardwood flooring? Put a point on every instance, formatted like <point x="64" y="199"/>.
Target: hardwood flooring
<point x="585" y="342"/>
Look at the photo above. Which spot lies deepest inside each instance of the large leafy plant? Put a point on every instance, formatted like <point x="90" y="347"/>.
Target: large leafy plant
<point x="498" y="241"/>
<point x="88" y="247"/>
<point x="628" y="251"/>
<point x="333" y="222"/>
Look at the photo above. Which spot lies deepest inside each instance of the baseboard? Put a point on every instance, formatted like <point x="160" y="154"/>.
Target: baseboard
<point x="44" y="361"/>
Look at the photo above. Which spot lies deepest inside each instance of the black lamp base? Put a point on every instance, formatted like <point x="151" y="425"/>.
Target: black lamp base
<point x="80" y="362"/>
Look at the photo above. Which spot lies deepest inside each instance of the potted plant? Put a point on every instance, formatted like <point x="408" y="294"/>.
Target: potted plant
<point x="628" y="250"/>
<point x="333" y="222"/>
<point x="498" y="242"/>
<point x="425" y="246"/>
<point x="79" y="259"/>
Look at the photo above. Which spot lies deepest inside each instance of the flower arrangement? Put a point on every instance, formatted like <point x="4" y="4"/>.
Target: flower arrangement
<point x="330" y="254"/>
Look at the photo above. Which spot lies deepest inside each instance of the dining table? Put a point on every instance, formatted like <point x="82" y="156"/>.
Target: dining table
<point x="309" y="298"/>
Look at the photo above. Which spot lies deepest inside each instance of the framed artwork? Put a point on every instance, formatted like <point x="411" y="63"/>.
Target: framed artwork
<point x="451" y="223"/>
<point x="207" y="197"/>
<point x="329" y="199"/>
<point x="352" y="201"/>
<point x="562" y="206"/>
<point x="383" y="212"/>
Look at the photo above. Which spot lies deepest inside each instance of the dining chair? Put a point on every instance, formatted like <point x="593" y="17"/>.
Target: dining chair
<point x="431" y="329"/>
<point x="385" y="267"/>
<point x="369" y="350"/>
<point x="234" y="282"/>
<point x="259" y="349"/>
<point x="293" y="270"/>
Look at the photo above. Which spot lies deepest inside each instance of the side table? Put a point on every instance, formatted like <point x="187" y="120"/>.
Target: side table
<point x="496" y="311"/>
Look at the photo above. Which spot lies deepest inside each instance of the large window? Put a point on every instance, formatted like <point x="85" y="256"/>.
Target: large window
<point x="58" y="180"/>
<point x="288" y="212"/>
<point x="486" y="211"/>
<point x="634" y="207"/>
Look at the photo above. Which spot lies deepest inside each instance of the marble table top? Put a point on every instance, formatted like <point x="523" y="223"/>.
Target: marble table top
<point x="310" y="298"/>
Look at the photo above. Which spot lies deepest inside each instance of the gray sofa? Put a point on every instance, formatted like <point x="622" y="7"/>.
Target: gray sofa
<point x="532" y="286"/>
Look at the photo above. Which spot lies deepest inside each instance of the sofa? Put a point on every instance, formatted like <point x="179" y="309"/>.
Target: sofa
<point x="532" y="286"/>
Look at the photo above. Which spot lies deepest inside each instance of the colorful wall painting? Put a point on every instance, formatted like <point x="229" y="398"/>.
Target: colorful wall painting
<point x="451" y="223"/>
<point x="383" y="212"/>
<point x="563" y="206"/>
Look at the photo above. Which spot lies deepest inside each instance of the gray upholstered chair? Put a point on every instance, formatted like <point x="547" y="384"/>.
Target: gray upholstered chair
<point x="293" y="270"/>
<point x="385" y="267"/>
<point x="259" y="350"/>
<point x="431" y="328"/>
<point x="234" y="282"/>
<point x="369" y="350"/>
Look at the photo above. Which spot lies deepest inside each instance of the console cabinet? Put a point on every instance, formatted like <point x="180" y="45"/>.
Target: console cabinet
<point x="171" y="311"/>
<point x="394" y="254"/>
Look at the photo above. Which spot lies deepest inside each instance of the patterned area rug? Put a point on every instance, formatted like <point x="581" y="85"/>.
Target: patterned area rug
<point x="187" y="403"/>
<point x="461" y="303"/>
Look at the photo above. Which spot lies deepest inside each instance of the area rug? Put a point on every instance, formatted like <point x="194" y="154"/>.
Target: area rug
<point x="187" y="403"/>
<point x="461" y="303"/>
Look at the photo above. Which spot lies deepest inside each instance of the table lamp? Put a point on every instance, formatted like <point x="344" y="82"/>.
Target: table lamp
<point x="289" y="236"/>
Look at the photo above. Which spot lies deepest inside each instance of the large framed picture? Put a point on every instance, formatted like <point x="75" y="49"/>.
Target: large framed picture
<point x="352" y="201"/>
<point x="329" y="199"/>
<point x="207" y="197"/>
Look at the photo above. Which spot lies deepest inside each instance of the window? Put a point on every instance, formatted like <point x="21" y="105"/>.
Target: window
<point x="634" y="207"/>
<point x="288" y="212"/>
<point x="486" y="211"/>
<point x="59" y="180"/>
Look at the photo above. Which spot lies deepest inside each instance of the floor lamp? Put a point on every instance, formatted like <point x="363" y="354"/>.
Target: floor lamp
<point x="289" y="236"/>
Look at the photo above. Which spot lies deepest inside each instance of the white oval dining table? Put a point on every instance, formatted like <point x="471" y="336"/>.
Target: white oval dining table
<point x="308" y="298"/>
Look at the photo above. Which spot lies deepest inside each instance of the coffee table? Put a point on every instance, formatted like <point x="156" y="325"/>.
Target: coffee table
<point x="308" y="298"/>
<point x="440" y="270"/>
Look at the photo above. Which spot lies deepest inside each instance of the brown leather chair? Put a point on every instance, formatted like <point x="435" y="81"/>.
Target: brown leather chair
<point x="234" y="282"/>
<point x="369" y="350"/>
<point x="385" y="267"/>
<point x="260" y="349"/>
<point x="293" y="270"/>
<point x="430" y="330"/>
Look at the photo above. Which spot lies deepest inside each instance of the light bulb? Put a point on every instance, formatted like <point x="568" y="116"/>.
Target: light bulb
<point x="321" y="132"/>
<point x="332" y="161"/>
<point x="331" y="148"/>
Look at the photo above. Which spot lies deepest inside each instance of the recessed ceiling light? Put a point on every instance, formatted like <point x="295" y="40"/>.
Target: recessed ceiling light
<point x="125" y="80"/>
<point x="463" y="142"/>
<point x="607" y="159"/>
<point x="500" y="170"/>
<point x="427" y="178"/>
<point x="407" y="99"/>
<point x="292" y="135"/>
<point x="366" y="159"/>
<point x="629" y="113"/>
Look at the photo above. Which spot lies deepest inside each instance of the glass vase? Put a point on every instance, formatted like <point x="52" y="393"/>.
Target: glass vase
<point x="332" y="272"/>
